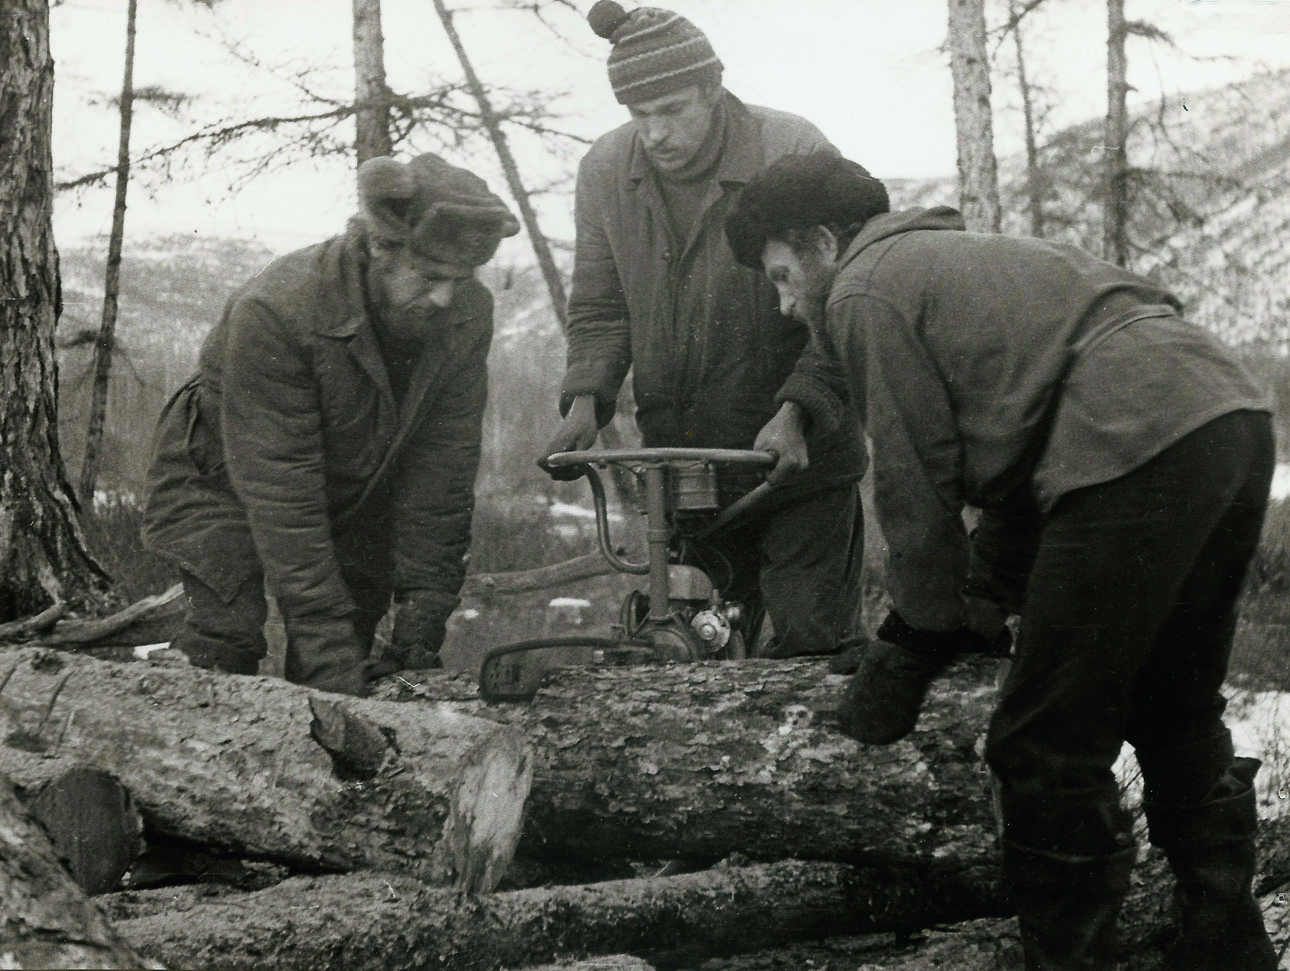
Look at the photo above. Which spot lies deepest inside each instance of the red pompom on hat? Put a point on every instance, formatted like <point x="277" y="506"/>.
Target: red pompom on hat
<point x="655" y="51"/>
<point x="444" y="213"/>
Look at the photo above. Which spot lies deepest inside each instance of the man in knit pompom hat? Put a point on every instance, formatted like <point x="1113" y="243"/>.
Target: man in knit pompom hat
<point x="715" y="365"/>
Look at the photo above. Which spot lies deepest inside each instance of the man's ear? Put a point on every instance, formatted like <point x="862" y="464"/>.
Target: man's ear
<point x="826" y="244"/>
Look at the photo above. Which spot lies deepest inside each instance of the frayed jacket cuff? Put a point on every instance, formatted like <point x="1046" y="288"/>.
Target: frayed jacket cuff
<point x="824" y="407"/>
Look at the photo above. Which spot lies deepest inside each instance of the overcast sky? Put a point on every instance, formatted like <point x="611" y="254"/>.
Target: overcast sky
<point x="870" y="73"/>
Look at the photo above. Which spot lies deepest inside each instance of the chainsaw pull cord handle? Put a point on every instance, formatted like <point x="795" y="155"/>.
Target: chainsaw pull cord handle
<point x="602" y="528"/>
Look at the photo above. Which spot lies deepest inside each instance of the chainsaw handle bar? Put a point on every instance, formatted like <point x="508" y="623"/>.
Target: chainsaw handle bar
<point x="664" y="456"/>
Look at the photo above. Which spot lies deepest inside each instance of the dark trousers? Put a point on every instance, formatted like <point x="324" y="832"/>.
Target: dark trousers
<point x="801" y="564"/>
<point x="1126" y="635"/>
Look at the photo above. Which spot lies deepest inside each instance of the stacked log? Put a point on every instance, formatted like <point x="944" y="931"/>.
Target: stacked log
<point x="261" y="768"/>
<point x="372" y="921"/>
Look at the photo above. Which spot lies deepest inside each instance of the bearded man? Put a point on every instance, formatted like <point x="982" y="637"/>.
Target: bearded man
<point x="327" y="445"/>
<point x="1121" y="461"/>
<point x="714" y="363"/>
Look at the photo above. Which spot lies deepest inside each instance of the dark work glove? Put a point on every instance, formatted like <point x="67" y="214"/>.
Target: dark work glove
<point x="562" y="473"/>
<point x="420" y="623"/>
<point x="895" y="630"/>
<point x="323" y="652"/>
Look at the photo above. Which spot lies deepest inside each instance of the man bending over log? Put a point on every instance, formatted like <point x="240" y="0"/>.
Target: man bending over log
<point x="329" y="441"/>
<point x="1121" y="460"/>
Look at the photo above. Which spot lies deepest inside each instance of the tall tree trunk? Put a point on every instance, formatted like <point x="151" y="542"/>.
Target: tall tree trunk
<point x="1034" y="178"/>
<point x="43" y="559"/>
<point x="970" y="64"/>
<point x="611" y="435"/>
<point x="493" y="125"/>
<point x="372" y="97"/>
<point x="1115" y="161"/>
<point x="106" y="343"/>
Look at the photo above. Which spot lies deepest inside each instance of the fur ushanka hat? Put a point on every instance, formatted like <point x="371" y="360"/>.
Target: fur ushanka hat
<point x="443" y="213"/>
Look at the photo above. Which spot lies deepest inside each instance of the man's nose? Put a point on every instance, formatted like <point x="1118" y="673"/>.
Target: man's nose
<point x="787" y="304"/>
<point x="440" y="293"/>
<point x="656" y="132"/>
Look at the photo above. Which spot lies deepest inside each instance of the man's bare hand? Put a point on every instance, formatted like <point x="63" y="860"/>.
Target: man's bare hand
<point x="785" y="435"/>
<point x="577" y="432"/>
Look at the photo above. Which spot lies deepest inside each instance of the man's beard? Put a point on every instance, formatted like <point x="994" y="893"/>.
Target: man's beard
<point x="413" y="324"/>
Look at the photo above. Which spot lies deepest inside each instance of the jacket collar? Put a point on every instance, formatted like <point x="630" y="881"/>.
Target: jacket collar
<point x="739" y="160"/>
<point x="344" y="263"/>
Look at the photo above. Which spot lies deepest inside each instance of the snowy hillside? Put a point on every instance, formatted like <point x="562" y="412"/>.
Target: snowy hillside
<point x="1211" y="203"/>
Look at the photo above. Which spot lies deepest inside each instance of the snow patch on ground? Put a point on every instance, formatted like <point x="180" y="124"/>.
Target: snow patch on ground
<point x="1281" y="481"/>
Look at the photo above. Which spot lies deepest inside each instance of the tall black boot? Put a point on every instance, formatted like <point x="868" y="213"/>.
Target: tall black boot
<point x="1210" y="848"/>
<point x="1067" y="905"/>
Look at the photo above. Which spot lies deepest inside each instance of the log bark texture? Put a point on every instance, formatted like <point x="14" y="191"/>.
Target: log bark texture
<point x="45" y="920"/>
<point x="263" y="768"/>
<point x="373" y="921"/>
<point x="698" y="761"/>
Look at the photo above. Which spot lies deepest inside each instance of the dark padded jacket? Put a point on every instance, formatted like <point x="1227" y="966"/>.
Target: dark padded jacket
<point x="1003" y="373"/>
<point x="711" y="356"/>
<point x="289" y="431"/>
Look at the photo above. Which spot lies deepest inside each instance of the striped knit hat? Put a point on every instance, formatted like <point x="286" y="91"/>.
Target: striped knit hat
<point x="655" y="51"/>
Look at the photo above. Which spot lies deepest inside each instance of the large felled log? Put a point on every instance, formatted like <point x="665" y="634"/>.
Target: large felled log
<point x="371" y="921"/>
<point x="263" y="768"/>
<point x="45" y="920"/>
<point x="700" y="761"/>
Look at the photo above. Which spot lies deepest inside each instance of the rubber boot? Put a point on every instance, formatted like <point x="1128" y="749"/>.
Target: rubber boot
<point x="1067" y="906"/>
<point x="1210" y="848"/>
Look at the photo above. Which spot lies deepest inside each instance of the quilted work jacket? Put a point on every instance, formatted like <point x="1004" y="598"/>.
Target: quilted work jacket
<point x="711" y="356"/>
<point x="289" y="431"/>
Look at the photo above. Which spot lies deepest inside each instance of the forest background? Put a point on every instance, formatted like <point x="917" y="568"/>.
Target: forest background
<point x="242" y="148"/>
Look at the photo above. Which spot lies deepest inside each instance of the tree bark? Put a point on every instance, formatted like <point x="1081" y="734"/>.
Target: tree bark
<point x="698" y="761"/>
<point x="106" y="343"/>
<point x="45" y="920"/>
<point x="1034" y="177"/>
<point x="43" y="559"/>
<point x="970" y="65"/>
<point x="372" y="96"/>
<point x="262" y="768"/>
<point x="373" y="921"/>
<point x="1115" y="162"/>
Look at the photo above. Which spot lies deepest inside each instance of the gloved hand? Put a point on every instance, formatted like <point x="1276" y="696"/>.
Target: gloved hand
<point x="577" y="432"/>
<point x="882" y="702"/>
<point x="420" y="623"/>
<point x="323" y="652"/>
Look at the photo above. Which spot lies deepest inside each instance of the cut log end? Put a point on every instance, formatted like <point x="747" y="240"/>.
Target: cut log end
<point x="93" y="824"/>
<point x="488" y="814"/>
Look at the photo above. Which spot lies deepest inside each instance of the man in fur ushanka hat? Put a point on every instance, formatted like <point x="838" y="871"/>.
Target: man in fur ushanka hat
<point x="327" y="445"/>
<point x="714" y="363"/>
